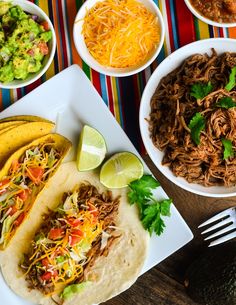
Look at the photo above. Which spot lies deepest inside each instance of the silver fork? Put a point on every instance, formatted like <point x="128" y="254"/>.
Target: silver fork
<point x="223" y="218"/>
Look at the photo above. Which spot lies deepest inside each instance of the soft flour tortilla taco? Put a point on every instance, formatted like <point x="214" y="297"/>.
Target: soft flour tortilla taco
<point x="21" y="135"/>
<point x="23" y="176"/>
<point x="89" y="248"/>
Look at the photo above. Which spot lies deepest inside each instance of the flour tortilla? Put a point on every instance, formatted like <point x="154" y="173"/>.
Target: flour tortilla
<point x="114" y="273"/>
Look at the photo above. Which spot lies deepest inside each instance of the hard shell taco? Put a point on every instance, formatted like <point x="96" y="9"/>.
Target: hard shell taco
<point x="20" y="135"/>
<point x="23" y="117"/>
<point x="87" y="246"/>
<point x="9" y="124"/>
<point x="22" y="178"/>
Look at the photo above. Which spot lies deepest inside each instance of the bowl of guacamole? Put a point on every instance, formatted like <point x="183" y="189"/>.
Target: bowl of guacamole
<point x="27" y="43"/>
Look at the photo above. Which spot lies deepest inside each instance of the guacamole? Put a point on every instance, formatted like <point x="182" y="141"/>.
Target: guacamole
<point x="23" y="42"/>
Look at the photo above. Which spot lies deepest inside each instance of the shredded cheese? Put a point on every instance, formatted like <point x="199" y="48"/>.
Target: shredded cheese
<point x="74" y="255"/>
<point x="120" y="33"/>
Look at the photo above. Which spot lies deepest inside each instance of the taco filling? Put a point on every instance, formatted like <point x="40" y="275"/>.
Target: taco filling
<point x="70" y="239"/>
<point x="26" y="177"/>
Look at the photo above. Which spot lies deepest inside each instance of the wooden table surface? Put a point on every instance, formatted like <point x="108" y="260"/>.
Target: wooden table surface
<point x="163" y="284"/>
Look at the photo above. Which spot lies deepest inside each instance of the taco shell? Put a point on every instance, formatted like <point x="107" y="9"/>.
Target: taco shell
<point x="8" y="128"/>
<point x="30" y="118"/>
<point x="58" y="142"/>
<point x="5" y="125"/>
<point x="21" y="135"/>
<point x="112" y="274"/>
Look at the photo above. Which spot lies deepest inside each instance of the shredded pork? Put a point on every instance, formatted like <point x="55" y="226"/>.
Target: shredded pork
<point x="172" y="108"/>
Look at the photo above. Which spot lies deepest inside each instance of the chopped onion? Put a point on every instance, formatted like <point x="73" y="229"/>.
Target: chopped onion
<point x="4" y="196"/>
<point x="105" y="237"/>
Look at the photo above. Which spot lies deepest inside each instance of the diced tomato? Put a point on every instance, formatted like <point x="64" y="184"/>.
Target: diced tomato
<point x="24" y="195"/>
<point x="15" y="165"/>
<point x="13" y="210"/>
<point x="19" y="219"/>
<point x="56" y="233"/>
<point x="74" y="222"/>
<point x="75" y="237"/>
<point x="77" y="232"/>
<point x="4" y="182"/>
<point x="3" y="185"/>
<point x="45" y="262"/>
<point x="45" y="25"/>
<point x="43" y="47"/>
<point x="48" y="275"/>
<point x="73" y="240"/>
<point x="35" y="174"/>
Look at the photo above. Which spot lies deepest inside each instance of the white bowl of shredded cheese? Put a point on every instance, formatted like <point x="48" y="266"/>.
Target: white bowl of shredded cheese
<point x="118" y="38"/>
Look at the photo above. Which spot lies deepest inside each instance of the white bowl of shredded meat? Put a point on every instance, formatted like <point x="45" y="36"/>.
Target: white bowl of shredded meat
<point x="188" y="117"/>
<point x="118" y="38"/>
<point x="220" y="13"/>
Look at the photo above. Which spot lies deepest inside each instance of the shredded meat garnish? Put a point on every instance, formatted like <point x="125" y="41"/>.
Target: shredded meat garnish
<point x="172" y="108"/>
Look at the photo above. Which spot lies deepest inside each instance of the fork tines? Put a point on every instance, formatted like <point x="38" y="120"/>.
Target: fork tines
<point x="227" y="217"/>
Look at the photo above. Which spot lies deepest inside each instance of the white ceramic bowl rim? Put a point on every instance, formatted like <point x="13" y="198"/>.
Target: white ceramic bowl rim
<point x="205" y="19"/>
<point x="33" y="8"/>
<point x="166" y="66"/>
<point x="90" y="61"/>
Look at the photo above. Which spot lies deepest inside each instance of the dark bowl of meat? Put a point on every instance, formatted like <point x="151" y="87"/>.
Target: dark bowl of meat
<point x="188" y="117"/>
<point x="221" y="13"/>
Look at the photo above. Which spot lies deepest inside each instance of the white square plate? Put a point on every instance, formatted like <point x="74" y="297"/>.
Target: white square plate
<point x="71" y="101"/>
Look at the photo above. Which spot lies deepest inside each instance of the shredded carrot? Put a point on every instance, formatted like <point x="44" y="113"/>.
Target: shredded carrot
<point x="120" y="33"/>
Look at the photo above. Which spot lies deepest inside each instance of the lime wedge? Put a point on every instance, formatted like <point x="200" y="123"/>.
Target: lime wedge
<point x="91" y="149"/>
<point x="120" y="170"/>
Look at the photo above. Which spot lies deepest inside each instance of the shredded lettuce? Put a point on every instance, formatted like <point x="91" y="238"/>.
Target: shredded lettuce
<point x="7" y="225"/>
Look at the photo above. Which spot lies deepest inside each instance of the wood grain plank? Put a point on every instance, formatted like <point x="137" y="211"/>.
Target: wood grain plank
<point x="154" y="287"/>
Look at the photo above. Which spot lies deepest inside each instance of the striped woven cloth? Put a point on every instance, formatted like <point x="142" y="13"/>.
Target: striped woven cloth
<point x="122" y="95"/>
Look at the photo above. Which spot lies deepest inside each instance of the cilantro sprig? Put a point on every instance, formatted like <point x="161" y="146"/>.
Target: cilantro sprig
<point x="150" y="209"/>
<point x="196" y="125"/>
<point x="200" y="90"/>
<point x="232" y="80"/>
<point x="226" y="102"/>
<point x="228" y="148"/>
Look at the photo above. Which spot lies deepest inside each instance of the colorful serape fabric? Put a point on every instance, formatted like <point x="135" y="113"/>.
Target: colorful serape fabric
<point x="121" y="95"/>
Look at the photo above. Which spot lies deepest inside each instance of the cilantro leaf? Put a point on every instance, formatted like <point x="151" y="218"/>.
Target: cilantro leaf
<point x="150" y="210"/>
<point x="232" y="81"/>
<point x="152" y="220"/>
<point x="141" y="189"/>
<point x="158" y="226"/>
<point x="200" y="90"/>
<point x="149" y="215"/>
<point x="226" y="102"/>
<point x="196" y="125"/>
<point x="228" y="148"/>
<point x="165" y="207"/>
